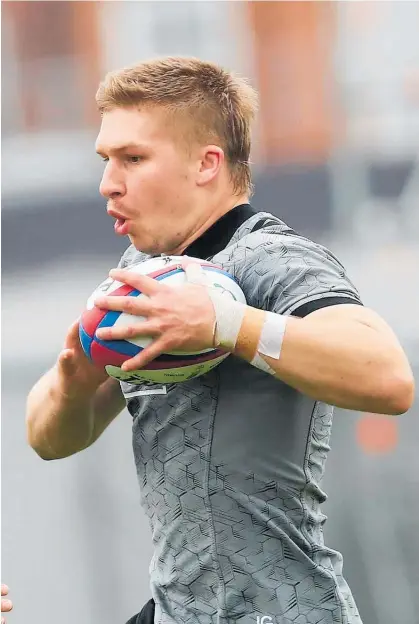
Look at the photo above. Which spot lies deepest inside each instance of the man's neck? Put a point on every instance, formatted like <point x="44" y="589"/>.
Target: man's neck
<point x="214" y="216"/>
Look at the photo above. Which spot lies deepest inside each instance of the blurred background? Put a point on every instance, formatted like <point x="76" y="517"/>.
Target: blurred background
<point x="335" y="155"/>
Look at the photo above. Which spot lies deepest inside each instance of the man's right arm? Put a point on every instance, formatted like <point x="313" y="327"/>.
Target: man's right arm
<point x="60" y="425"/>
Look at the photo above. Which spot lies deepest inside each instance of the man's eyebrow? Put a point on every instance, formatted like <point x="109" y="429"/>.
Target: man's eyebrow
<point x="101" y="149"/>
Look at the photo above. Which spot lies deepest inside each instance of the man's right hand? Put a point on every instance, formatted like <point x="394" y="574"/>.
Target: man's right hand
<point x="77" y="374"/>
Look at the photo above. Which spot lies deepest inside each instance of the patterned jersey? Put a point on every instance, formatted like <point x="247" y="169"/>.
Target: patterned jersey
<point x="230" y="464"/>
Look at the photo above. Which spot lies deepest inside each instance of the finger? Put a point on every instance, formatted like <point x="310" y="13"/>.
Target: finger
<point x="6" y="605"/>
<point x="195" y="274"/>
<point x="147" y="328"/>
<point x="147" y="285"/>
<point x="147" y="355"/>
<point x="138" y="306"/>
<point x="4" y="589"/>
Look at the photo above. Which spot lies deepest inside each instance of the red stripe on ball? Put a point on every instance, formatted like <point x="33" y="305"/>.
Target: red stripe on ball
<point x="121" y="291"/>
<point x="102" y="356"/>
<point x="171" y="267"/>
<point x="90" y="319"/>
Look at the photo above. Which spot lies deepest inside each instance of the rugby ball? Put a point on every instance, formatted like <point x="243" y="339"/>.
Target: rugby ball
<point x="172" y="367"/>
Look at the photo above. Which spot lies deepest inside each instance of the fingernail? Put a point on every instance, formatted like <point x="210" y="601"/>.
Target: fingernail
<point x="7" y="604"/>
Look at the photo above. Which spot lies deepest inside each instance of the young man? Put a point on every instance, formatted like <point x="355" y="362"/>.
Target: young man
<point x="230" y="463"/>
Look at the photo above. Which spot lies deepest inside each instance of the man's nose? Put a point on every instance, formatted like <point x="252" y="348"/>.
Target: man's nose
<point x="112" y="184"/>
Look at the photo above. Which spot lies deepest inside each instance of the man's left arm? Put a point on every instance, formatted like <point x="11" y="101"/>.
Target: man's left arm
<point x="344" y="355"/>
<point x="340" y="352"/>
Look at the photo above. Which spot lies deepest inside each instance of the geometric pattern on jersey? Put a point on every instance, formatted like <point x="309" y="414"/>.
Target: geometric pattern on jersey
<point x="230" y="465"/>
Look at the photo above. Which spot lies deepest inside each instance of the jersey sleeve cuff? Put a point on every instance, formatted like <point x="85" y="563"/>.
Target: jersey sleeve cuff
<point x="323" y="302"/>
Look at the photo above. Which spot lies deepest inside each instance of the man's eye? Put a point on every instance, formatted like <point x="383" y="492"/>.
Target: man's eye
<point x="134" y="159"/>
<point x="104" y="159"/>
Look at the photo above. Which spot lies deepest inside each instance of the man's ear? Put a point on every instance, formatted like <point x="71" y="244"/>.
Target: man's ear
<point x="212" y="159"/>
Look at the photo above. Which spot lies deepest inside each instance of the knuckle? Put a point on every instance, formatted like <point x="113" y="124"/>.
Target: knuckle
<point x="169" y="343"/>
<point x="159" y="306"/>
<point x="131" y="331"/>
<point x="159" y="326"/>
<point x="129" y="305"/>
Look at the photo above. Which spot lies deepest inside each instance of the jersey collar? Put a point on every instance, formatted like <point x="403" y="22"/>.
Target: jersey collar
<point x="217" y="237"/>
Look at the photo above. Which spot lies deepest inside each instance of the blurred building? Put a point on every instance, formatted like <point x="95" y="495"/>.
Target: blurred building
<point x="335" y="155"/>
<point x="338" y="84"/>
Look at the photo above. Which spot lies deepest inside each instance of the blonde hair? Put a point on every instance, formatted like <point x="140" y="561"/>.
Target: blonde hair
<point x="218" y="105"/>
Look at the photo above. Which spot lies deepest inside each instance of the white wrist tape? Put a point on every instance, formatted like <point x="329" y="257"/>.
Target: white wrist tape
<point x="229" y="316"/>
<point x="259" y="362"/>
<point x="270" y="341"/>
<point x="228" y="312"/>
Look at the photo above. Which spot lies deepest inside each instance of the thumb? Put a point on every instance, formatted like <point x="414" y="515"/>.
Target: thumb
<point x="72" y="337"/>
<point x="195" y="274"/>
<point x="66" y="362"/>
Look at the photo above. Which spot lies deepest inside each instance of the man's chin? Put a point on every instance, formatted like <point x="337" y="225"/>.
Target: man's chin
<point x="144" y="246"/>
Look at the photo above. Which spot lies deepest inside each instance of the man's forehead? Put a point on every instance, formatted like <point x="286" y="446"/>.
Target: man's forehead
<point x="117" y="143"/>
<point x="128" y="128"/>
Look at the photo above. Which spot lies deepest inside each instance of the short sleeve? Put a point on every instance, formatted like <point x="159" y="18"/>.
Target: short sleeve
<point x="290" y="274"/>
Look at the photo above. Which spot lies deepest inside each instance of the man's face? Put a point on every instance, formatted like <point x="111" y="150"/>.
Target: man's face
<point x="149" y="179"/>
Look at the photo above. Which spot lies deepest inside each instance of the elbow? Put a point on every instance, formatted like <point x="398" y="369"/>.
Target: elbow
<point x="47" y="454"/>
<point x="400" y="393"/>
<point x="44" y="450"/>
<point x="43" y="455"/>
<point x="39" y="449"/>
<point x="38" y="443"/>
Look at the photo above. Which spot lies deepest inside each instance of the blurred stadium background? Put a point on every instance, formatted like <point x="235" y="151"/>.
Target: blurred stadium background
<point x="335" y="155"/>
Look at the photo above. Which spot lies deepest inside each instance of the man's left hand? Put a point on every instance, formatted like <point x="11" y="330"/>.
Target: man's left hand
<point x="178" y="318"/>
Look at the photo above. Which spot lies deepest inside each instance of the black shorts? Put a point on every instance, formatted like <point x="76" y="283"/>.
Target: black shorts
<point x="146" y="615"/>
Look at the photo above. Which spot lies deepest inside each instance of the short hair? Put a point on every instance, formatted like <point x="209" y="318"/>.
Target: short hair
<point x="218" y="105"/>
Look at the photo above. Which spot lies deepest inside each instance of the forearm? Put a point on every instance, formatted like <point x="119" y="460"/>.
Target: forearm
<point x="342" y="362"/>
<point x="58" y="426"/>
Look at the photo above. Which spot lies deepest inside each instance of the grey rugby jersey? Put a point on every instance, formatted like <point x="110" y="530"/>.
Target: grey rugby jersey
<point x="230" y="464"/>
